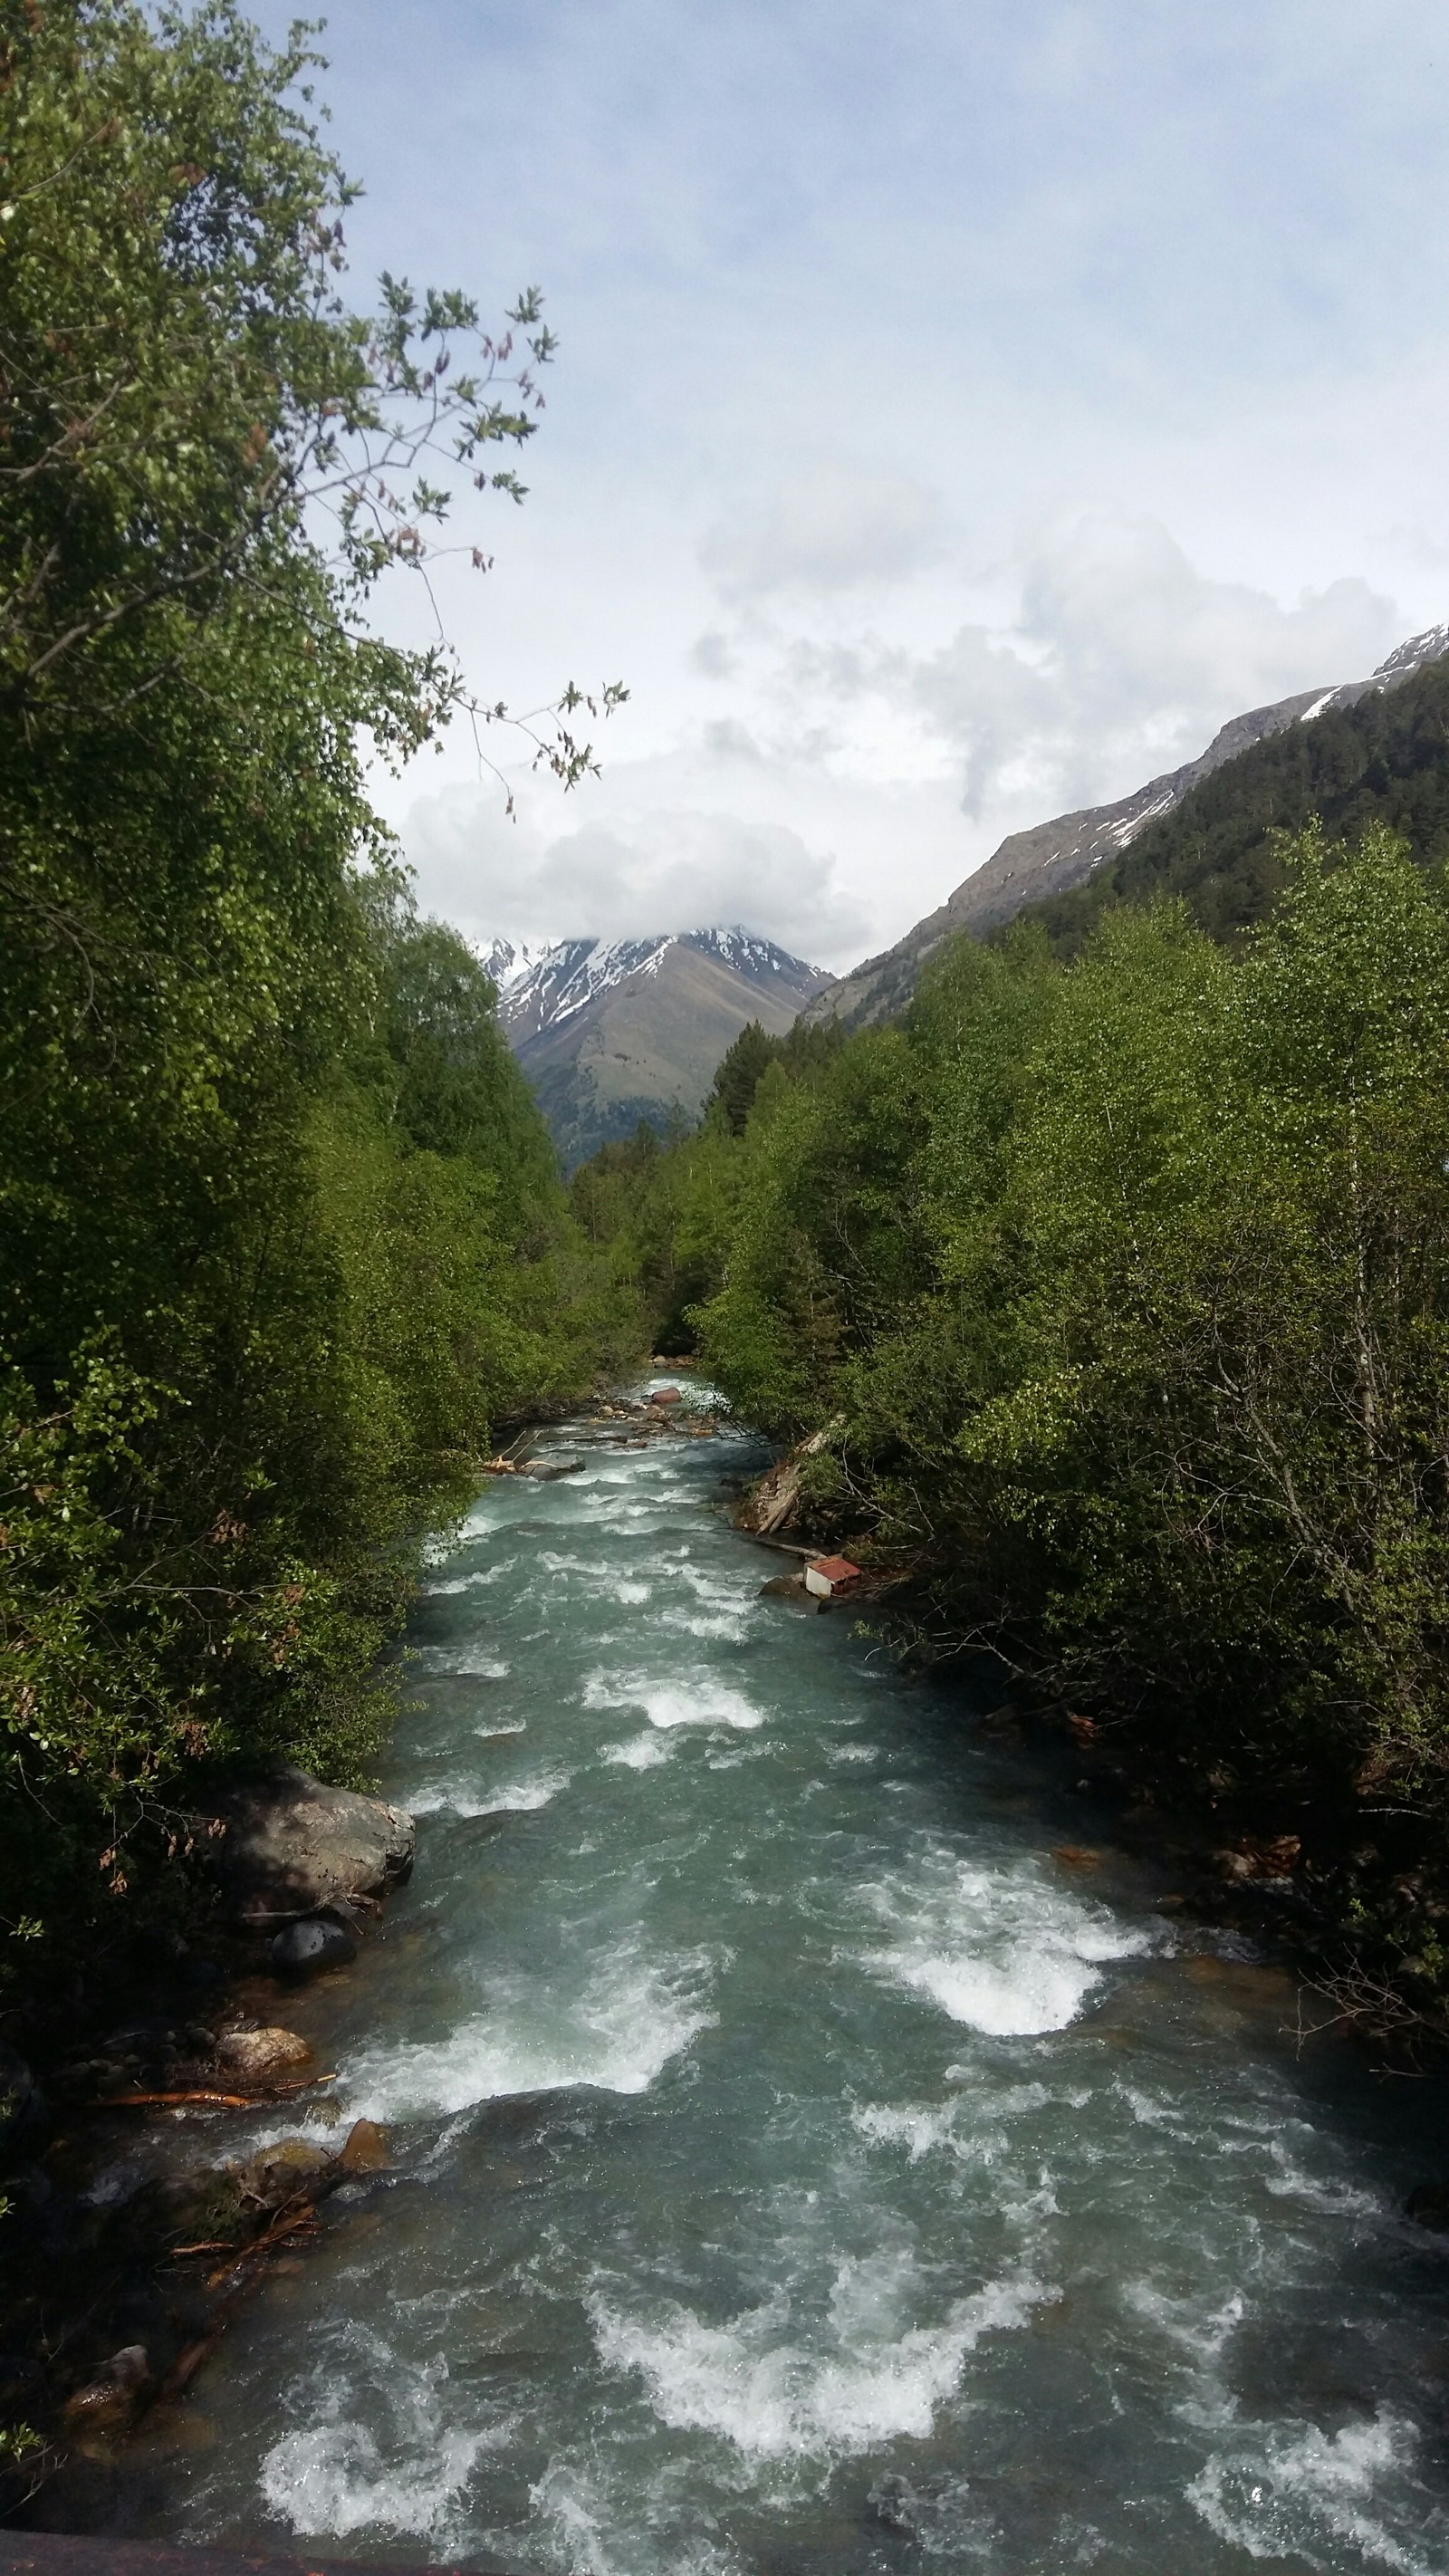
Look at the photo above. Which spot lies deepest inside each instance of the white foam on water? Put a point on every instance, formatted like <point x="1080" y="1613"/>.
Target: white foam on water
<point x="459" y="1663"/>
<point x="1300" y="2493"/>
<point x="476" y="1581"/>
<point x="1335" y="2199"/>
<point x="914" y="2126"/>
<point x="595" y="2539"/>
<point x="465" y="1798"/>
<point x="632" y="1592"/>
<point x="521" y="1797"/>
<point x="335" y="2474"/>
<point x="1196" y="2330"/>
<point x="638" y="1753"/>
<point x="727" y="1626"/>
<point x="513" y="1726"/>
<point x="1154" y="2111"/>
<point x="999" y="1947"/>
<point x="868" y="2379"/>
<point x="631" y="2016"/>
<point x="969" y="2127"/>
<point x="669" y="1703"/>
<point x="718" y="1592"/>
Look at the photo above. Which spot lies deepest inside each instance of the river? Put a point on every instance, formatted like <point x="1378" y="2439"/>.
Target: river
<point x="796" y="2167"/>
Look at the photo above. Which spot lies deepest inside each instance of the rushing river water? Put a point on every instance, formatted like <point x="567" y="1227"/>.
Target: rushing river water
<point x="797" y="2167"/>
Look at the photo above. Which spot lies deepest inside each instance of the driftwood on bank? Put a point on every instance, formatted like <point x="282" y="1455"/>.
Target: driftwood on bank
<point x="773" y="1501"/>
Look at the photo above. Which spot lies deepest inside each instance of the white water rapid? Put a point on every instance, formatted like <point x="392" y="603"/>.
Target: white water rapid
<point x="798" y="2170"/>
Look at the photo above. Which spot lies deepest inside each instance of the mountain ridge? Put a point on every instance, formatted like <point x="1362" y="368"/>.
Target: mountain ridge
<point x="610" y="1032"/>
<point x="1055" y="857"/>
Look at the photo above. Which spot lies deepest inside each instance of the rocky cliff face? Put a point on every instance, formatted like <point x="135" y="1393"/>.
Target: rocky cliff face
<point x="1053" y="857"/>
<point x="612" y="1032"/>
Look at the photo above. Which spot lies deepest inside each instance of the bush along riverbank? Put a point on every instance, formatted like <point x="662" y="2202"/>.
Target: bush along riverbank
<point x="1114" y="1298"/>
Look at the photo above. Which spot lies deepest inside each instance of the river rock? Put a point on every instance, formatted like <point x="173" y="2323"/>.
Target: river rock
<point x="1232" y="1864"/>
<point x="364" y="2149"/>
<point x="107" y="2403"/>
<point x="303" y="1949"/>
<point x="24" y="2117"/>
<point x="276" y="2174"/>
<point x="290" y="1844"/>
<point x="257" y="2055"/>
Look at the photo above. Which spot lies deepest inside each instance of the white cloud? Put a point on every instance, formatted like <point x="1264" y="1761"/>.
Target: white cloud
<point x="831" y="527"/>
<point x="1121" y="660"/>
<point x="813" y="266"/>
<point x="659" y="869"/>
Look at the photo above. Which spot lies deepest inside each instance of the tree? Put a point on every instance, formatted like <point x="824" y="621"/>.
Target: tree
<point x="281" y="1231"/>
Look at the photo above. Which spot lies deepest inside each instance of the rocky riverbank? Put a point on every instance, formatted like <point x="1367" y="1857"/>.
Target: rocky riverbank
<point x="1286" y="1877"/>
<point x="126" y="2257"/>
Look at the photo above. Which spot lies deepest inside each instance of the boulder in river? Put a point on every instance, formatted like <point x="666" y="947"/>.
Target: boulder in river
<point x="288" y="2169"/>
<point x="365" y="2149"/>
<point x="290" y="1844"/>
<point x="318" y="1941"/>
<point x="108" y="2402"/>
<point x="259" y="2056"/>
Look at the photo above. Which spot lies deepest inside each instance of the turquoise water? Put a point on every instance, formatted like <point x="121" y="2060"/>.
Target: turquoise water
<point x="796" y="2166"/>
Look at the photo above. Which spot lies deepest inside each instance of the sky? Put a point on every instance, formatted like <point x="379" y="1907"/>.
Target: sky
<point x="962" y="408"/>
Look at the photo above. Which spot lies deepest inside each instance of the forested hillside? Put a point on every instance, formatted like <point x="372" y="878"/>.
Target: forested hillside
<point x="282" y="1230"/>
<point x="1120" y="1290"/>
<point x="1382" y="761"/>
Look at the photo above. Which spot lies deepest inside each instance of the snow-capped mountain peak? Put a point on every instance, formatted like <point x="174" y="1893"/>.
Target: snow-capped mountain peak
<point x="540" y="991"/>
<point x="506" y="964"/>
<point x="612" y="1031"/>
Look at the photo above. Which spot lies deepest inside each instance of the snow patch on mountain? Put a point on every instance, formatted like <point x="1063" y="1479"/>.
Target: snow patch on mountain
<point x="551" y="986"/>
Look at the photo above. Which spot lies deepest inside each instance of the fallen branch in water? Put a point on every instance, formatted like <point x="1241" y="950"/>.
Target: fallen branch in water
<point x="299" y="2212"/>
<point x="218" y="2101"/>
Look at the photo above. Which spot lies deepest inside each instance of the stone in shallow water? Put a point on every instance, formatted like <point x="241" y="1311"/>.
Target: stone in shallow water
<point x="301" y="1949"/>
<point x="107" y="2403"/>
<point x="277" y="2173"/>
<point x="290" y="1843"/>
<point x="254" y="2055"/>
<point x="365" y="2148"/>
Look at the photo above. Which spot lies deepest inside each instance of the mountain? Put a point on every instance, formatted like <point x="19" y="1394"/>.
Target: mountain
<point x="1052" y="859"/>
<point x="612" y="1032"/>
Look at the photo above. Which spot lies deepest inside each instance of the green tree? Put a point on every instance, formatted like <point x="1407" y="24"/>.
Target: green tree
<point x="281" y="1231"/>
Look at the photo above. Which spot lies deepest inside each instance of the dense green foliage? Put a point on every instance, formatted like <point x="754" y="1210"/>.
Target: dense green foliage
<point x="282" y="1234"/>
<point x="1381" y="762"/>
<point x="1122" y="1289"/>
<point x="664" y="1205"/>
<point x="800" y="1051"/>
